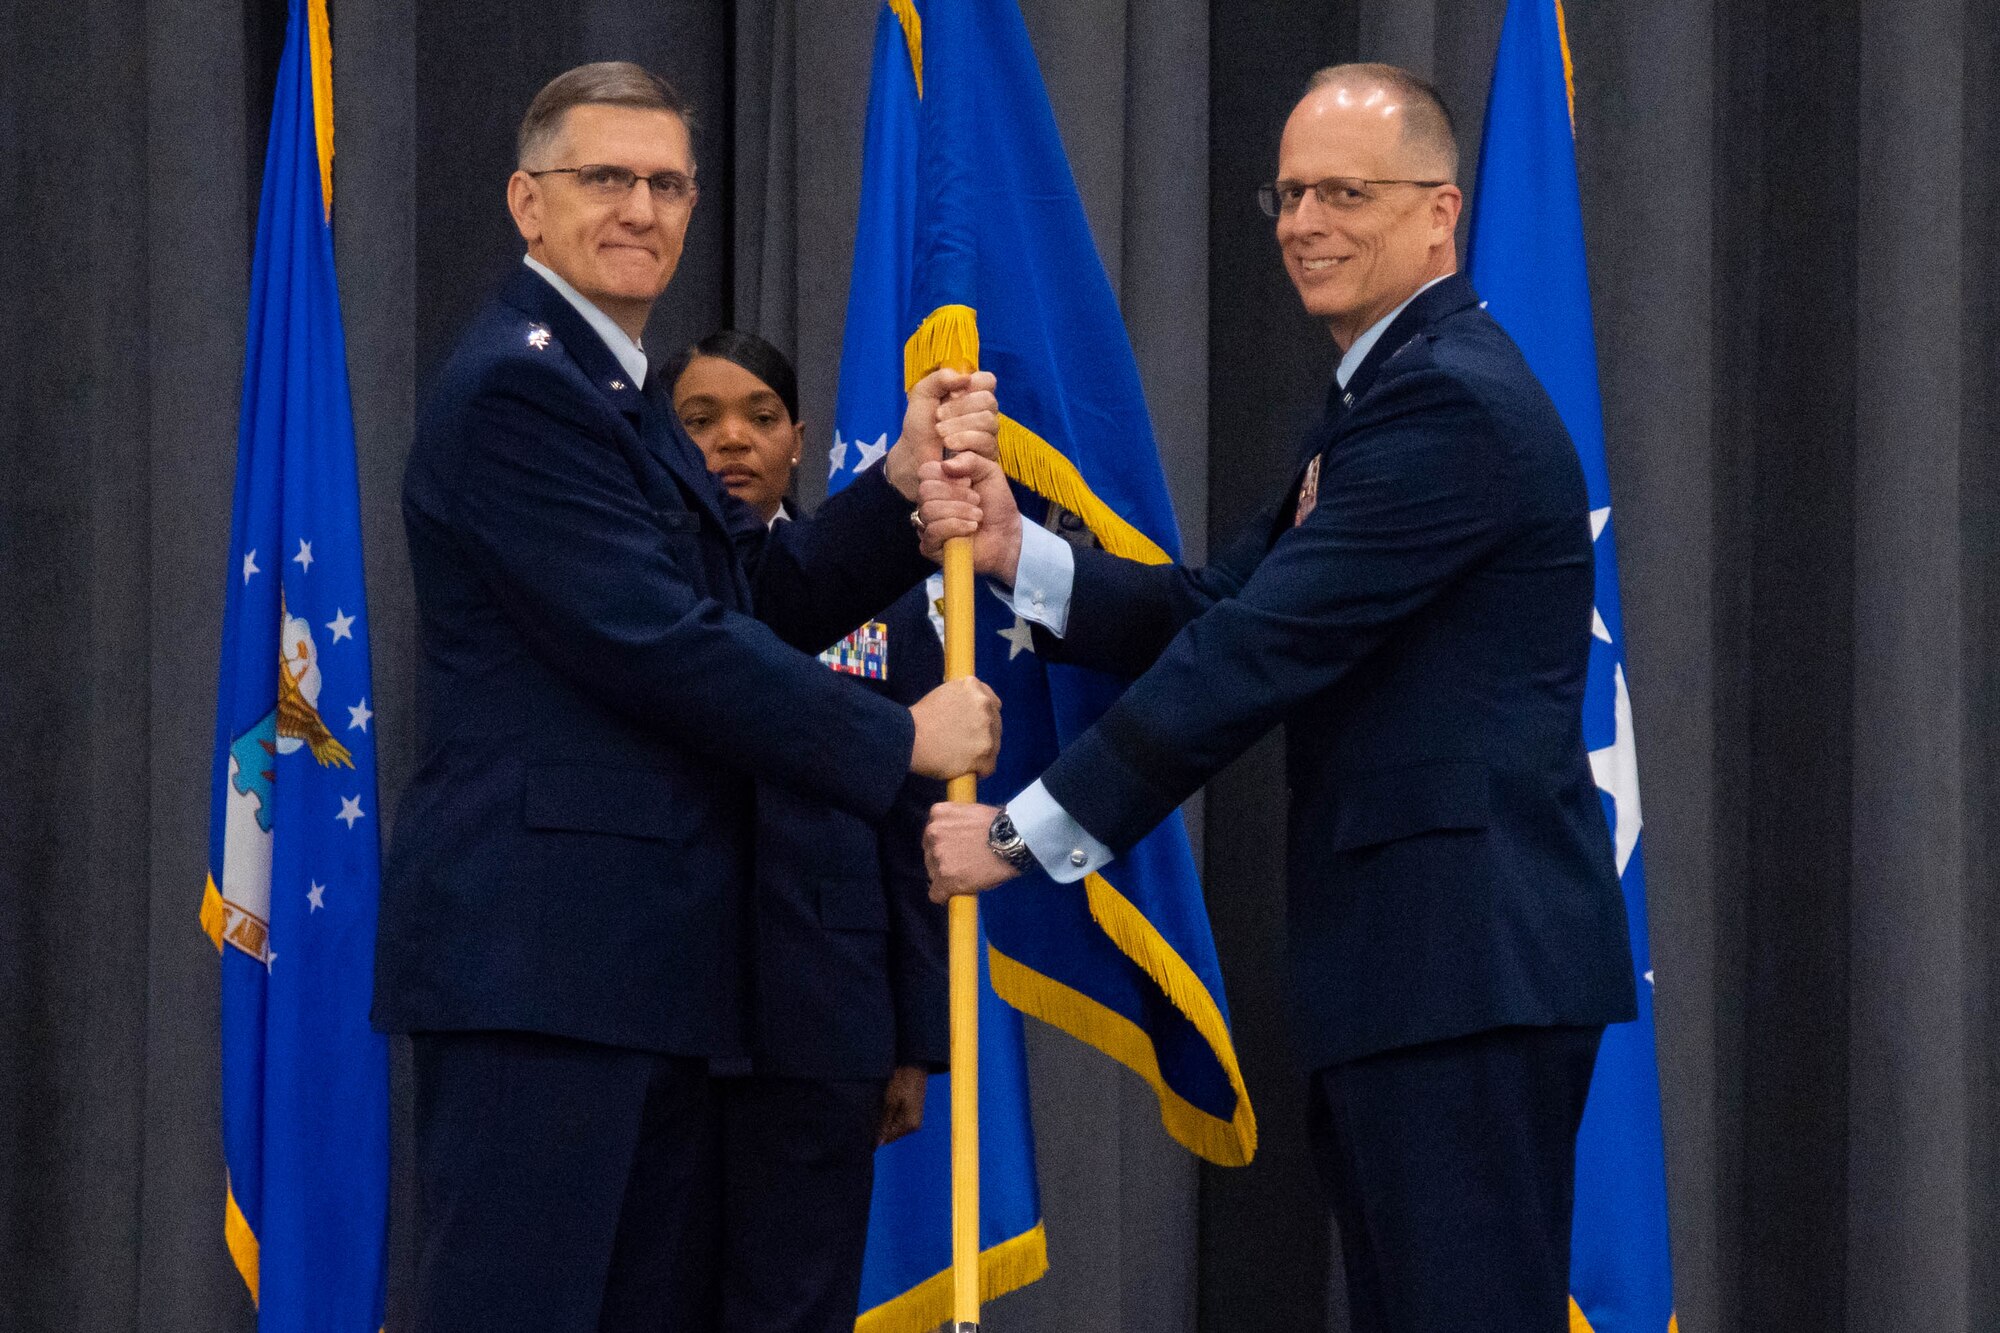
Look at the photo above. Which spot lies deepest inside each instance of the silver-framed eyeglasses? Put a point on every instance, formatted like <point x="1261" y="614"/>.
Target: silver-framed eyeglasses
<point x="1343" y="194"/>
<point x="601" y="180"/>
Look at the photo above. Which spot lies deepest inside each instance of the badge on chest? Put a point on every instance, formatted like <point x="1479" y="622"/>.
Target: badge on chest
<point x="1308" y="492"/>
<point x="864" y="653"/>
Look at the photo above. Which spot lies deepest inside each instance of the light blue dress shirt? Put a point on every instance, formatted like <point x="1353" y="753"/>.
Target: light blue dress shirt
<point x="630" y="355"/>
<point x="1043" y="581"/>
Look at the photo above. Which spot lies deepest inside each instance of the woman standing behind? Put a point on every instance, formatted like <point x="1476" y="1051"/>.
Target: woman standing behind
<point x="848" y="951"/>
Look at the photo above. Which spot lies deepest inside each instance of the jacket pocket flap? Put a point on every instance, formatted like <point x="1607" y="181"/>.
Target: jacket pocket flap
<point x="853" y="902"/>
<point x="1402" y="802"/>
<point x="632" y="802"/>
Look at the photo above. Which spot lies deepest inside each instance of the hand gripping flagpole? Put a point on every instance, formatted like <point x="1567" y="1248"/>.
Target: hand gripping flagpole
<point x="949" y="340"/>
<point x="962" y="928"/>
<point x="947" y="264"/>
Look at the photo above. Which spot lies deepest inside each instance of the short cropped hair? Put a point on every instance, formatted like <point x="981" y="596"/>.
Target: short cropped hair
<point x="1427" y="121"/>
<point x="606" y="83"/>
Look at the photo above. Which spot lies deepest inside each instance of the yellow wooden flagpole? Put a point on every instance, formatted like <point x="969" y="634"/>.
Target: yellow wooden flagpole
<point x="963" y="935"/>
<point x="949" y="339"/>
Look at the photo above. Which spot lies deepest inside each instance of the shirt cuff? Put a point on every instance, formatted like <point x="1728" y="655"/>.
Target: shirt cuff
<point x="1043" y="580"/>
<point x="1065" y="850"/>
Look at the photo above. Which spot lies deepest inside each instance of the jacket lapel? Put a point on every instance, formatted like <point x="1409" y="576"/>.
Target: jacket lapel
<point x="669" y="442"/>
<point x="1433" y="304"/>
<point x="528" y="292"/>
<point x="1448" y="297"/>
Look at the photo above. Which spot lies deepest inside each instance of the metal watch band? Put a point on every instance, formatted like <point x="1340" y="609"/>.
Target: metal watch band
<point x="1007" y="843"/>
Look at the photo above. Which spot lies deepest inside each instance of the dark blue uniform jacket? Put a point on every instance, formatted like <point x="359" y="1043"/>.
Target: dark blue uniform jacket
<point x="849" y="949"/>
<point x="1423" y="636"/>
<point x="572" y="855"/>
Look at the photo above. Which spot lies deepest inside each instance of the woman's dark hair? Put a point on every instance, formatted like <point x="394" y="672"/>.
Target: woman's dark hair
<point x="755" y="355"/>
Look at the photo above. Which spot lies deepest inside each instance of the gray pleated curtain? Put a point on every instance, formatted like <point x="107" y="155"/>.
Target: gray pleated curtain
<point x="1791" y="214"/>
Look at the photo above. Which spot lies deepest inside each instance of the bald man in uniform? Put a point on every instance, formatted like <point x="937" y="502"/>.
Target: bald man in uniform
<point x="1414" y="607"/>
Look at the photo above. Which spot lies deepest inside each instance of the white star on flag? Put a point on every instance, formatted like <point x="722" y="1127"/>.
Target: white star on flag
<point x="358" y="715"/>
<point x="868" y="455"/>
<point x="304" y="559"/>
<point x="1598" y="518"/>
<point x="250" y="565"/>
<point x="316" y="895"/>
<point x="341" y="625"/>
<point x="1615" y="769"/>
<point x="1020" y="636"/>
<point x="836" y="456"/>
<point x="350" y="810"/>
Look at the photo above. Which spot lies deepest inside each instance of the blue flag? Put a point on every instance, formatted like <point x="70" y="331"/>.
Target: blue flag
<point x="1527" y="261"/>
<point x="294" y="859"/>
<point x="972" y="246"/>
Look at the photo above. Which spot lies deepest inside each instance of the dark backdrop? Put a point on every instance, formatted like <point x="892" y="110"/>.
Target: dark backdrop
<point x="1791" y="212"/>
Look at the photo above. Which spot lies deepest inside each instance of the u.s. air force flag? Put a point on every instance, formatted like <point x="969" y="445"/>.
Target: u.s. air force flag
<point x="1527" y="260"/>
<point x="973" y="248"/>
<point x="294" y="863"/>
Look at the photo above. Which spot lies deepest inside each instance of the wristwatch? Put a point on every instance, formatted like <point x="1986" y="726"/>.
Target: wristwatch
<point x="1007" y="844"/>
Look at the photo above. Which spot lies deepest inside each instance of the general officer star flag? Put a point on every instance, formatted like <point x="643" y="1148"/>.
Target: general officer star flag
<point x="294" y="862"/>
<point x="973" y="247"/>
<point x="1527" y="261"/>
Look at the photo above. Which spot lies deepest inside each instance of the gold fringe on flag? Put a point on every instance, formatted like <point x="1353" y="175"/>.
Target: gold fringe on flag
<point x="1569" y="86"/>
<point x="242" y="1241"/>
<point x="913" y="37"/>
<point x="949" y="336"/>
<point x="214" y="913"/>
<point x="1008" y="1266"/>
<point x="1043" y="469"/>
<point x="321" y="34"/>
<point x="1231" y="1142"/>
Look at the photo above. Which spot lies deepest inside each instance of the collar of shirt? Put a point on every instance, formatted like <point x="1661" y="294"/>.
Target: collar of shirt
<point x="1366" y="342"/>
<point x="780" y="517"/>
<point x="630" y="355"/>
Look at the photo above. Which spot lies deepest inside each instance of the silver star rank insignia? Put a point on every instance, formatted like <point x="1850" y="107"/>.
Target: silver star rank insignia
<point x="538" y="336"/>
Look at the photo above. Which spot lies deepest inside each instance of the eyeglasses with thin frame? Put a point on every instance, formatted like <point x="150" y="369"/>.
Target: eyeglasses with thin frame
<point x="1341" y="193"/>
<point x="603" y="181"/>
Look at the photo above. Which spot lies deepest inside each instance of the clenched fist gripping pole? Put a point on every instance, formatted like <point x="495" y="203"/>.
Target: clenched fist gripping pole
<point x="949" y="340"/>
<point x="962" y="928"/>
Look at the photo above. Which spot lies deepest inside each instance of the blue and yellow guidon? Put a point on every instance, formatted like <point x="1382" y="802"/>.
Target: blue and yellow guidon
<point x="972" y="249"/>
<point x="1004" y="258"/>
